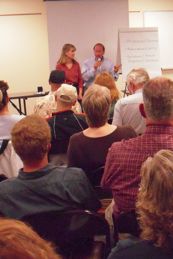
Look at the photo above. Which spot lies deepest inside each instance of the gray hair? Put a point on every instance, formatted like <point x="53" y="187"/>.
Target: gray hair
<point x="158" y="99"/>
<point x="137" y="76"/>
<point x="96" y="103"/>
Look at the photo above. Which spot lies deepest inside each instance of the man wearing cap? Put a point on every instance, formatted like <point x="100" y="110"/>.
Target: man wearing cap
<point x="64" y="123"/>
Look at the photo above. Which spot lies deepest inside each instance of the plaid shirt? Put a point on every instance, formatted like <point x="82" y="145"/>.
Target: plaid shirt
<point x="124" y="160"/>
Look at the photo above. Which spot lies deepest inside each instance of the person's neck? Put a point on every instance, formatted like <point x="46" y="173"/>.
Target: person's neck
<point x="163" y="122"/>
<point x="104" y="130"/>
<point x="61" y="107"/>
<point x="69" y="61"/>
<point x="32" y="167"/>
<point x="54" y="87"/>
<point x="5" y="111"/>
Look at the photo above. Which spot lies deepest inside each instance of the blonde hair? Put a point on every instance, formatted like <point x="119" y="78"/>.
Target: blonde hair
<point x="158" y="98"/>
<point x="30" y="138"/>
<point x="65" y="49"/>
<point x="18" y="241"/>
<point x="96" y="103"/>
<point x="155" y="199"/>
<point x="107" y="80"/>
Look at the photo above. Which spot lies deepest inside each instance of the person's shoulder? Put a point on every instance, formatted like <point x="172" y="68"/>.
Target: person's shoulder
<point x="8" y="185"/>
<point x="127" y="129"/>
<point x="88" y="60"/>
<point x="141" y="249"/>
<point x="76" y="136"/>
<point x="73" y="174"/>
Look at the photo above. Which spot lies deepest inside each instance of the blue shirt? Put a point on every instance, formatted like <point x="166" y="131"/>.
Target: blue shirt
<point x="89" y="72"/>
<point x="50" y="188"/>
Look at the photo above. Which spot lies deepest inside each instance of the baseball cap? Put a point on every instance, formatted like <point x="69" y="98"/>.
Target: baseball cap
<point x="66" y="93"/>
<point x="57" y="77"/>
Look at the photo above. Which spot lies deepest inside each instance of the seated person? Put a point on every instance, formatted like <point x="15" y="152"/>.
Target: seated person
<point x="7" y="120"/>
<point x="41" y="186"/>
<point x="126" y="110"/>
<point x="88" y="149"/>
<point x="64" y="123"/>
<point x="107" y="80"/>
<point x="155" y="211"/>
<point x="19" y="241"/>
<point x="46" y="105"/>
<point x="10" y="163"/>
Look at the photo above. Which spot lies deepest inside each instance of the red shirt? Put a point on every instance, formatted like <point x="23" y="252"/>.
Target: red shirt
<point x="73" y="75"/>
<point x="124" y="160"/>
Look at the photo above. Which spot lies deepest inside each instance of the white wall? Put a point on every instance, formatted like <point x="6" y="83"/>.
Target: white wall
<point x="23" y="44"/>
<point x="84" y="23"/>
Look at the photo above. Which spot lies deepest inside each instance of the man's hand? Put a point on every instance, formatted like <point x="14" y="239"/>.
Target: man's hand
<point x="97" y="64"/>
<point x="117" y="68"/>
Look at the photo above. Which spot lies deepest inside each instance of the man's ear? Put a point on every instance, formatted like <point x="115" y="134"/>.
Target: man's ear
<point x="142" y="110"/>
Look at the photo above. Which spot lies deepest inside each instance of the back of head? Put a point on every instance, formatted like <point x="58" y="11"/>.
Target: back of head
<point x="107" y="80"/>
<point x="158" y="99"/>
<point x="155" y="206"/>
<point x="3" y="94"/>
<point x="137" y="77"/>
<point x="57" y="77"/>
<point x="96" y="103"/>
<point x="31" y="138"/>
<point x="66" y="95"/>
<point x="18" y="241"/>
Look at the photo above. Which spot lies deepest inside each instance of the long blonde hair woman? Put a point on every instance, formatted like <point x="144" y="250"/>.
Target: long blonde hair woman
<point x="70" y="66"/>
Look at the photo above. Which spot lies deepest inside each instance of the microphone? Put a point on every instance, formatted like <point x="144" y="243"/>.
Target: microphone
<point x="99" y="59"/>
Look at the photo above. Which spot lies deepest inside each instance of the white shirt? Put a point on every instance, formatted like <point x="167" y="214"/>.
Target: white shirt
<point x="10" y="162"/>
<point x="126" y="112"/>
<point x="46" y="105"/>
<point x="89" y="72"/>
<point x="6" y="124"/>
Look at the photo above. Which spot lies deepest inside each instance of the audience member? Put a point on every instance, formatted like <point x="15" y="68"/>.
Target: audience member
<point x="88" y="149"/>
<point x="19" y="241"/>
<point x="126" y="111"/>
<point x="64" y="123"/>
<point x="71" y="67"/>
<point x="106" y="79"/>
<point x="9" y="161"/>
<point x="41" y="186"/>
<point x="97" y="64"/>
<point x="7" y="120"/>
<point x="46" y="105"/>
<point x="125" y="158"/>
<point x="155" y="210"/>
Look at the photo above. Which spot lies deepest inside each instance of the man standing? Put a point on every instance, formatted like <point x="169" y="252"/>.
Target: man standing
<point x="96" y="65"/>
<point x="41" y="186"/>
<point x="126" y="110"/>
<point x="124" y="159"/>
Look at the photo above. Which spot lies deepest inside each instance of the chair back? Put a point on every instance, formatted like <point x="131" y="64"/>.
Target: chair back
<point x="73" y="232"/>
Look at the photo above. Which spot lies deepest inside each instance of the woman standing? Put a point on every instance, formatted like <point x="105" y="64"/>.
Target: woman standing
<point x="71" y="67"/>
